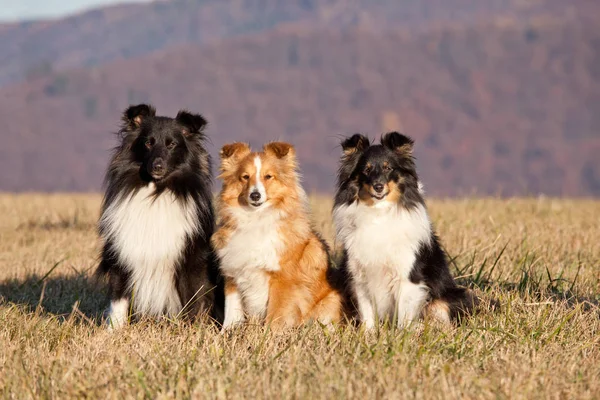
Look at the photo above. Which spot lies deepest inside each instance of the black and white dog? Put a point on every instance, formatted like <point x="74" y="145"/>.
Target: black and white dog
<point x="157" y="219"/>
<point x="396" y="264"/>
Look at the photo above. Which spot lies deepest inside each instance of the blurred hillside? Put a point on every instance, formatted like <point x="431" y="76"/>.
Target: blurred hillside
<point x="502" y="96"/>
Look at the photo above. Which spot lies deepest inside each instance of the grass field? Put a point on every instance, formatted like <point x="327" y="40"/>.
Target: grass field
<point x="539" y="257"/>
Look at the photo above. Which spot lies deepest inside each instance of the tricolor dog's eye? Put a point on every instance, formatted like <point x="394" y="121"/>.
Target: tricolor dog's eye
<point x="387" y="168"/>
<point x="267" y="177"/>
<point x="245" y="177"/>
<point x="368" y="169"/>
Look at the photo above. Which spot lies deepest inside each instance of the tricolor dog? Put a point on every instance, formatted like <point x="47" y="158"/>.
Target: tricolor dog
<point x="397" y="267"/>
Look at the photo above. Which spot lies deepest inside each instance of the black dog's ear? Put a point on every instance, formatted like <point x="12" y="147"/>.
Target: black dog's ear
<point x="398" y="142"/>
<point x="134" y="115"/>
<point x="193" y="123"/>
<point x="355" y="143"/>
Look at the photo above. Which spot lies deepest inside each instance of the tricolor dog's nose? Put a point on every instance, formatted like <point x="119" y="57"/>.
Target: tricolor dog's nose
<point x="255" y="196"/>
<point x="378" y="187"/>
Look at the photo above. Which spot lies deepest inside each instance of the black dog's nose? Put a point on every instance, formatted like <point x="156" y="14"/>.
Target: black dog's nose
<point x="158" y="164"/>
<point x="378" y="187"/>
<point x="255" y="196"/>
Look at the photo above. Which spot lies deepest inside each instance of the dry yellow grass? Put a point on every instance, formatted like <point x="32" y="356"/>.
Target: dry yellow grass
<point x="544" y="343"/>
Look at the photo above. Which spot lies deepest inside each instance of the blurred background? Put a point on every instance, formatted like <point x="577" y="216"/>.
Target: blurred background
<point x="502" y="96"/>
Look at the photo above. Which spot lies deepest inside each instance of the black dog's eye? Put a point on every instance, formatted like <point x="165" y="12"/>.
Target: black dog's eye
<point x="387" y="168"/>
<point x="171" y="145"/>
<point x="149" y="143"/>
<point x="245" y="177"/>
<point x="267" y="177"/>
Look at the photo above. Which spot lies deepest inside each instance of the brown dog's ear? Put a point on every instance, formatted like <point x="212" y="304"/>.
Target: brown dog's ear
<point x="280" y="150"/>
<point x="237" y="149"/>
<point x="231" y="153"/>
<point x="401" y="144"/>
<point x="134" y="115"/>
<point x="357" y="143"/>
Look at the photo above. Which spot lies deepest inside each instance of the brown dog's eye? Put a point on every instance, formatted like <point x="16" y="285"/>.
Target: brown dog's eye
<point x="245" y="177"/>
<point x="267" y="177"/>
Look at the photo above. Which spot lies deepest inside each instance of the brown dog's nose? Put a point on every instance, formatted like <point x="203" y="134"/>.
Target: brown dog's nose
<point x="255" y="196"/>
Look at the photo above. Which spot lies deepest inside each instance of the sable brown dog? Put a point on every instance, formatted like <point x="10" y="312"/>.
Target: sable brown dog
<point x="275" y="266"/>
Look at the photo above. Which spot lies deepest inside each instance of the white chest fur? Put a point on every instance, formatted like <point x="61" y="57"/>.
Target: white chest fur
<point x="382" y="239"/>
<point x="382" y="244"/>
<point x="149" y="235"/>
<point x="251" y="252"/>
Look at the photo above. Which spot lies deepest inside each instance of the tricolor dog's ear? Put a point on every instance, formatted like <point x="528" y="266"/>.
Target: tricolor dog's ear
<point x="280" y="150"/>
<point x="399" y="143"/>
<point x="134" y="115"/>
<point x="353" y="148"/>
<point x="193" y="123"/>
<point x="231" y="154"/>
<point x="357" y="143"/>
